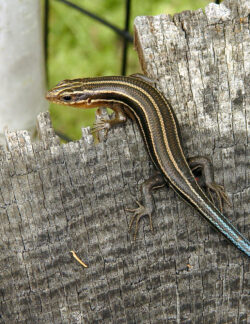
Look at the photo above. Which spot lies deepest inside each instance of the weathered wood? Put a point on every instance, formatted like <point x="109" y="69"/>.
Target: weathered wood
<point x="57" y="198"/>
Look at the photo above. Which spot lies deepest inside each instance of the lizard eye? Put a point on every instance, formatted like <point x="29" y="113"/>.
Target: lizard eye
<point x="67" y="98"/>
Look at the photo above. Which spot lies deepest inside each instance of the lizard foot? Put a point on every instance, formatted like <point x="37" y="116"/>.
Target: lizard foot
<point x="138" y="214"/>
<point x="220" y="192"/>
<point x="100" y="125"/>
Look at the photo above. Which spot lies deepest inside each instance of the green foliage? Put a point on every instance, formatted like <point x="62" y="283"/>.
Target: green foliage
<point x="81" y="47"/>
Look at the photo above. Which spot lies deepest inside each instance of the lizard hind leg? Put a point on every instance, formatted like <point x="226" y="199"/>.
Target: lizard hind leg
<point x="138" y="214"/>
<point x="146" y="209"/>
<point x="204" y="165"/>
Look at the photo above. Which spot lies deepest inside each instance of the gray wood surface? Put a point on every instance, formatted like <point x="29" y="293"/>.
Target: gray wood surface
<point x="57" y="198"/>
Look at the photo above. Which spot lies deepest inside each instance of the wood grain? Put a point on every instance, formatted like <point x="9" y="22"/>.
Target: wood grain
<point x="57" y="198"/>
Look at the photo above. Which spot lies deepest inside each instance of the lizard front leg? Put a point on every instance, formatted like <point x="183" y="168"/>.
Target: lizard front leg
<point x="121" y="114"/>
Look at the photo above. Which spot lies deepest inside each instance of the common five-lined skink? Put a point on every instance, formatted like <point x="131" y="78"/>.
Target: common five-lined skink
<point x="136" y="97"/>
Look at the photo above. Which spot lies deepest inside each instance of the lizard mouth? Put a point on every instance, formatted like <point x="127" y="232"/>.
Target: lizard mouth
<point x="52" y="97"/>
<point x="49" y="96"/>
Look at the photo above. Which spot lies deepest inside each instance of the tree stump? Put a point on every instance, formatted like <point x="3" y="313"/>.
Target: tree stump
<point x="58" y="198"/>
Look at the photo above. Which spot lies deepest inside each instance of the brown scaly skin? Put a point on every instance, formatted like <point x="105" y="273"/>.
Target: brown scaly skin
<point x="136" y="97"/>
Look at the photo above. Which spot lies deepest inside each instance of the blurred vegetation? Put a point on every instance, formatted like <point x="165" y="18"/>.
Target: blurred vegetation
<point x="82" y="47"/>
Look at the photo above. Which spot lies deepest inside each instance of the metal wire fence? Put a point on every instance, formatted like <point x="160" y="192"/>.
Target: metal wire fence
<point x="124" y="33"/>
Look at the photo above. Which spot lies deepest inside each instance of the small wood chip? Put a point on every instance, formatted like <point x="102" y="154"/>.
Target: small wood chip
<point x="79" y="260"/>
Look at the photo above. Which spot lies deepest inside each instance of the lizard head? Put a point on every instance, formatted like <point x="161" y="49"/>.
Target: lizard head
<point x="72" y="93"/>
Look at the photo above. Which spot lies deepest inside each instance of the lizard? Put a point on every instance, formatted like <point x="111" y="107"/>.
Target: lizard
<point x="137" y="98"/>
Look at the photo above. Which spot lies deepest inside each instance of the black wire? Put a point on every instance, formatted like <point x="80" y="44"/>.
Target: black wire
<point x="45" y="36"/>
<point x="119" y="31"/>
<point x="125" y="41"/>
<point x="64" y="137"/>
